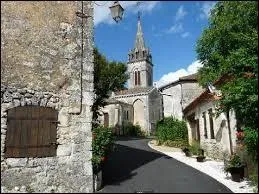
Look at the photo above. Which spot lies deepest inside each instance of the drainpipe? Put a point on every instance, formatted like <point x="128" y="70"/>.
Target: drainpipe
<point x="181" y="102"/>
<point x="83" y="16"/>
<point x="229" y="134"/>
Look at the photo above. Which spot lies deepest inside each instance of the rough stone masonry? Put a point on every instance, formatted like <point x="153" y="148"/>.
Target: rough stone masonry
<point x="47" y="61"/>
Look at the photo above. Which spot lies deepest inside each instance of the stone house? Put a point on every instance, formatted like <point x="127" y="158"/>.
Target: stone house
<point x="141" y="103"/>
<point x="46" y="96"/>
<point x="216" y="134"/>
<point x="178" y="94"/>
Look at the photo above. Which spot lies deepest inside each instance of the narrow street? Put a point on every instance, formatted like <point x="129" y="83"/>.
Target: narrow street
<point x="134" y="167"/>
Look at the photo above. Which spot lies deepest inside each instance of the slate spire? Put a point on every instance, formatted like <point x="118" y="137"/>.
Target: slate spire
<point x="139" y="42"/>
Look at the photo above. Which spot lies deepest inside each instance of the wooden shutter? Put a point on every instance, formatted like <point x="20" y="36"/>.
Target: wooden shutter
<point x="31" y="132"/>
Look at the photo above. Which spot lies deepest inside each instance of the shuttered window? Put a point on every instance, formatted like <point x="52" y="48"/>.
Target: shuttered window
<point x="31" y="132"/>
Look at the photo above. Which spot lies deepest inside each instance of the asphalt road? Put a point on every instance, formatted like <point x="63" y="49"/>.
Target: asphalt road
<point x="134" y="167"/>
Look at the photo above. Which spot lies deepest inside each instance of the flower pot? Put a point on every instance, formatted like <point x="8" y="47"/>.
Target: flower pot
<point x="188" y="154"/>
<point x="200" y="158"/>
<point x="237" y="173"/>
<point x="98" y="181"/>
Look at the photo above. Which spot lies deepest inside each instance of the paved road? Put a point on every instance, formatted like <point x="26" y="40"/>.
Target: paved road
<point x="135" y="167"/>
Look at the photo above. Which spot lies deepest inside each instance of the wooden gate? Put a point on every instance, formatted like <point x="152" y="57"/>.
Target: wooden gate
<point x="31" y="132"/>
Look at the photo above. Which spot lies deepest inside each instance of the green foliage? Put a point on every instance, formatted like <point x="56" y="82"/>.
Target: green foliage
<point x="102" y="144"/>
<point x="194" y="148"/>
<point x="108" y="77"/>
<point x="229" y="46"/>
<point x="176" y="143"/>
<point x="173" y="130"/>
<point x="132" y="130"/>
<point x="234" y="162"/>
<point x="251" y="141"/>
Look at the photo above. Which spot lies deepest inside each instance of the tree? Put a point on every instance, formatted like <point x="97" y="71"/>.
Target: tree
<point x="229" y="46"/>
<point x="108" y="77"/>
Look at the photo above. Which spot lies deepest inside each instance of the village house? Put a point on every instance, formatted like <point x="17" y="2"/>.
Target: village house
<point x="178" y="94"/>
<point x="46" y="96"/>
<point x="215" y="134"/>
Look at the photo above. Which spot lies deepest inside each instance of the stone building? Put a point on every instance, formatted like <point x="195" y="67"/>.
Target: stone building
<point x="178" y="94"/>
<point x="141" y="103"/>
<point x="46" y="96"/>
<point x="216" y="134"/>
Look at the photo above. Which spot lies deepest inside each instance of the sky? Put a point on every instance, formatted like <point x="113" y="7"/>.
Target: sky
<point x="171" y="30"/>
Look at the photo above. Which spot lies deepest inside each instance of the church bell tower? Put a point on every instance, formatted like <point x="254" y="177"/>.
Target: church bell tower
<point x="140" y="67"/>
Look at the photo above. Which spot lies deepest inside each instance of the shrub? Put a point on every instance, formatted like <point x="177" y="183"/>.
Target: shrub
<point x="171" y="129"/>
<point x="195" y="147"/>
<point x="251" y="141"/>
<point x="102" y="143"/>
<point x="234" y="162"/>
<point x="132" y="130"/>
<point x="177" y="143"/>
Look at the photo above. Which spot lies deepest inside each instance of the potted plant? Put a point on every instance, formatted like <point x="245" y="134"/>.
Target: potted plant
<point x="200" y="157"/>
<point x="187" y="151"/>
<point x="235" y="167"/>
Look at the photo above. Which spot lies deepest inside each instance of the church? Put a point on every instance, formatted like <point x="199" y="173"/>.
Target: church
<point x="141" y="103"/>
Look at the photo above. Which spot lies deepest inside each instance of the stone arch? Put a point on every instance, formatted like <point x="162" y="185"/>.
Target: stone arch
<point x="138" y="107"/>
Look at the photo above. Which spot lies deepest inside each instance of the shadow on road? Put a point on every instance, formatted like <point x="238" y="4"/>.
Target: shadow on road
<point x="123" y="161"/>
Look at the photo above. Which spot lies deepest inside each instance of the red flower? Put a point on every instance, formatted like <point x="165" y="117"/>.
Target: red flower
<point x="103" y="159"/>
<point x="240" y="134"/>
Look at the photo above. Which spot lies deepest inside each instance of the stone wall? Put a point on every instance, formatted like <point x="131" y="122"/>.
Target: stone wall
<point x="155" y="108"/>
<point x="47" y="60"/>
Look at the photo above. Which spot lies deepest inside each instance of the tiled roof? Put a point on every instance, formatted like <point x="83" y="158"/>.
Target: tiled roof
<point x="134" y="91"/>
<point x="206" y="95"/>
<point x="192" y="78"/>
<point x="189" y="77"/>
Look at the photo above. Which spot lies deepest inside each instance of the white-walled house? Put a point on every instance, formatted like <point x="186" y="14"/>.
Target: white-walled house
<point x="178" y="94"/>
<point x="216" y="134"/>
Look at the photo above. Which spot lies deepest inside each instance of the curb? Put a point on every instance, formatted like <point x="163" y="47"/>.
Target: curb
<point x="235" y="187"/>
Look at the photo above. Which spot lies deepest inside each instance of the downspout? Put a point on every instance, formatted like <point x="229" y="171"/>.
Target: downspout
<point x="181" y="102"/>
<point x="81" y="15"/>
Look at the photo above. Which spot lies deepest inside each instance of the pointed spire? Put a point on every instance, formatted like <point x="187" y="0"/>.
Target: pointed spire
<point x="139" y="42"/>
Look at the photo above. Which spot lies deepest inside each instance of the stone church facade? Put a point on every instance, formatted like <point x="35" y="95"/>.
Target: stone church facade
<point x="141" y="103"/>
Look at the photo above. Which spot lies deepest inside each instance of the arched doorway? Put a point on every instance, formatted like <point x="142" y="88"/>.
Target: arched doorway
<point x="138" y="107"/>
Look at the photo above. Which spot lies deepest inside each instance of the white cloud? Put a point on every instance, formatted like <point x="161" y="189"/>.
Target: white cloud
<point x="176" y="28"/>
<point x="205" y="9"/>
<point x="185" y="34"/>
<point x="102" y="13"/>
<point x="174" y="76"/>
<point x="180" y="13"/>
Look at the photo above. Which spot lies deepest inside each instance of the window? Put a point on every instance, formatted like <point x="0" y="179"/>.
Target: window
<point x="137" y="55"/>
<point x="212" y="136"/>
<point x="31" y="132"/>
<point x="205" y="125"/>
<point x="127" y="115"/>
<point x="137" y="78"/>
